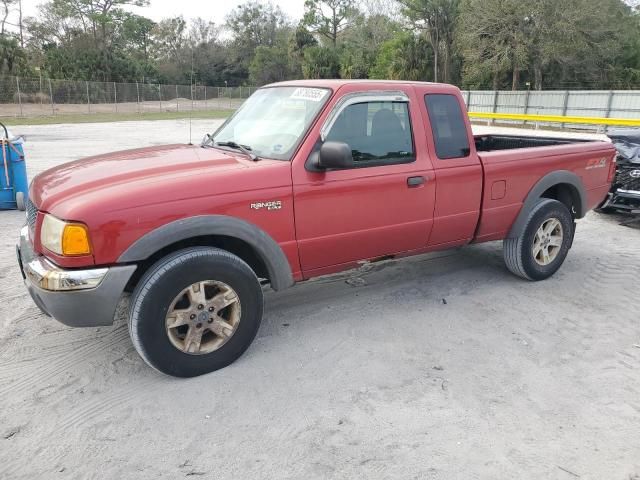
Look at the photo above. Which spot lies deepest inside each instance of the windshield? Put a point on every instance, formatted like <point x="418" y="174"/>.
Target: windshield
<point x="272" y="122"/>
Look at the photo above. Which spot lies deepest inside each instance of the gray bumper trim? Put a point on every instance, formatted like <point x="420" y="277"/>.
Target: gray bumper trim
<point x="80" y="308"/>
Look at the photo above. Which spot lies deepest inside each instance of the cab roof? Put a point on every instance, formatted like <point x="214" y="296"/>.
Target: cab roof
<point x="337" y="83"/>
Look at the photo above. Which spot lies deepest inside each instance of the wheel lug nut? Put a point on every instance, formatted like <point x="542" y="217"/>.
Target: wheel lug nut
<point x="192" y="316"/>
<point x="211" y="309"/>
<point x="200" y="307"/>
<point x="210" y="320"/>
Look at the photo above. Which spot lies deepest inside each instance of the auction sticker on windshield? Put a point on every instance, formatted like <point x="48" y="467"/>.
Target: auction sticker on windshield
<point x="305" y="93"/>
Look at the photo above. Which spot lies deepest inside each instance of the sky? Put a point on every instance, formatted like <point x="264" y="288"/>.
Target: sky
<point x="215" y="10"/>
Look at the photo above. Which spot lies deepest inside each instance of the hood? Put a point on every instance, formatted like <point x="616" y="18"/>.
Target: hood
<point x="167" y="166"/>
<point x="627" y="142"/>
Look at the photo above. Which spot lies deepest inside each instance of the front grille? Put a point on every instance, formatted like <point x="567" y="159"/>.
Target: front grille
<point x="32" y="213"/>
<point x="626" y="181"/>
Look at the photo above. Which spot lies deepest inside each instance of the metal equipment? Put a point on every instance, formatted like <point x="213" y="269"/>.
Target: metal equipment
<point x="13" y="175"/>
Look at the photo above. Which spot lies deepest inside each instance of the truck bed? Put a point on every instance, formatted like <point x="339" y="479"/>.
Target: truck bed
<point x="491" y="143"/>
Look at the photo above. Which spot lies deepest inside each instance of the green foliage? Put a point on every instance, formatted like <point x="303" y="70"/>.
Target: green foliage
<point x="252" y="25"/>
<point x="299" y="40"/>
<point x="269" y="64"/>
<point x="361" y="44"/>
<point x="574" y="43"/>
<point x="405" y="57"/>
<point x="321" y="62"/>
<point x="354" y="63"/>
<point x="13" y="59"/>
<point x="474" y="43"/>
<point x="329" y="18"/>
<point x="437" y="18"/>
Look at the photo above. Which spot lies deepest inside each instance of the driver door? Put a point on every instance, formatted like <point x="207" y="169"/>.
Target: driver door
<point x="382" y="206"/>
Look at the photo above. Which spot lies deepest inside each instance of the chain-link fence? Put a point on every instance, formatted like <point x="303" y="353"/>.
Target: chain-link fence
<point x="32" y="97"/>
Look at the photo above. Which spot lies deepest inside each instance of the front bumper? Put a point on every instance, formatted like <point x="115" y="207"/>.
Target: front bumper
<point x="633" y="194"/>
<point x="78" y="298"/>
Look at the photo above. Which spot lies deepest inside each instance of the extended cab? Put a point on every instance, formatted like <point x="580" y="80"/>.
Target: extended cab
<point x="307" y="178"/>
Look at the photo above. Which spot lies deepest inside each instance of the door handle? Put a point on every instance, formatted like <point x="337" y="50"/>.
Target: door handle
<point x="413" y="182"/>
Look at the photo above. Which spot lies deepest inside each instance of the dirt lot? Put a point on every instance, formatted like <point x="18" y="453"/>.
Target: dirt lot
<point x="441" y="367"/>
<point x="8" y="110"/>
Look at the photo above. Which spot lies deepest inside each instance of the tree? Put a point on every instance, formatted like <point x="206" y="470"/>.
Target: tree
<point x="299" y="40"/>
<point x="578" y="41"/>
<point x="252" y="25"/>
<point x="320" y="62"/>
<point x="329" y="18"/>
<point x="493" y="38"/>
<point x="203" y="32"/>
<point x="354" y="63"/>
<point x="481" y="43"/>
<point x="389" y="9"/>
<point x="5" y="10"/>
<point x="12" y="57"/>
<point x="269" y="64"/>
<point x="584" y="40"/>
<point x="405" y="57"/>
<point x="88" y="37"/>
<point x="136" y="35"/>
<point x="437" y="18"/>
<point x="169" y="38"/>
<point x="361" y="44"/>
<point x="100" y="18"/>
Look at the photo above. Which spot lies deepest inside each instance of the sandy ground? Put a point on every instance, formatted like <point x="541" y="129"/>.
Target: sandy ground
<point x="440" y="367"/>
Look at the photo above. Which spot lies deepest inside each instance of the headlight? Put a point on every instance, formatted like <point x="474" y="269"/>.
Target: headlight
<point x="64" y="238"/>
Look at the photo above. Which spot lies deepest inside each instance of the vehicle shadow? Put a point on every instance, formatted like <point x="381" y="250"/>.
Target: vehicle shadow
<point x="53" y="351"/>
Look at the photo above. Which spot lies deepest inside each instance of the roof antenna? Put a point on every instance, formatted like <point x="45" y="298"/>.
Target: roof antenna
<point x="191" y="88"/>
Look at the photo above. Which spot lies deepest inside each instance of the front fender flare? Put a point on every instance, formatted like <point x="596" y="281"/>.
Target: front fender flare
<point x="550" y="180"/>
<point x="266" y="247"/>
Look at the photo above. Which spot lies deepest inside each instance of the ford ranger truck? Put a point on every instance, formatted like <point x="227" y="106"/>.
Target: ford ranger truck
<point x="307" y="178"/>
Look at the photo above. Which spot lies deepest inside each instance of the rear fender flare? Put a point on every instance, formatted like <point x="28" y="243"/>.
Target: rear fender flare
<point x="550" y="180"/>
<point x="266" y="247"/>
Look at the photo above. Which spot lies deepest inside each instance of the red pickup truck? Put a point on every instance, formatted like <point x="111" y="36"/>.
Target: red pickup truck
<point x="307" y="178"/>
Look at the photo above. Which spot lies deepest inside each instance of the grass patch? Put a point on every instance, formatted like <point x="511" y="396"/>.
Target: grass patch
<point x="113" y="117"/>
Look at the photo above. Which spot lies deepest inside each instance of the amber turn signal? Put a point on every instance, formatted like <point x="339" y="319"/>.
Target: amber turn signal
<point x="75" y="240"/>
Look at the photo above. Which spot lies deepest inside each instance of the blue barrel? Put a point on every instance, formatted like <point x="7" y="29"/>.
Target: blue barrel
<point x="14" y="186"/>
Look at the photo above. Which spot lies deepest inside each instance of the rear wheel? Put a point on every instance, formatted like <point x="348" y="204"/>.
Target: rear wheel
<point x="544" y="243"/>
<point x="195" y="311"/>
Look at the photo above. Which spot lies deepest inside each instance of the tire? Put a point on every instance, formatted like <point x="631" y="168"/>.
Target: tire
<point x="20" y="201"/>
<point x="153" y="300"/>
<point x="519" y="252"/>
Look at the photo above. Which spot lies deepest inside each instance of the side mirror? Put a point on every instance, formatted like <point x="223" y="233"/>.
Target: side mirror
<point x="335" y="155"/>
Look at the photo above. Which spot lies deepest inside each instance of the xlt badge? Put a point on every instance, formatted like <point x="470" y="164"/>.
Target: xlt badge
<point x="272" y="205"/>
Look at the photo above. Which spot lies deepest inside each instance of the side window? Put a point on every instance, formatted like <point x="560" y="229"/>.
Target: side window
<point x="378" y="132"/>
<point x="447" y="124"/>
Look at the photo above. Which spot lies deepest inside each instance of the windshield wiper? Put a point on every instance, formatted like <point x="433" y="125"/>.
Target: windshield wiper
<point x="246" y="149"/>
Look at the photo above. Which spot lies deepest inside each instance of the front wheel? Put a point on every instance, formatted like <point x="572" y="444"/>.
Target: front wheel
<point x="195" y="311"/>
<point x="543" y="245"/>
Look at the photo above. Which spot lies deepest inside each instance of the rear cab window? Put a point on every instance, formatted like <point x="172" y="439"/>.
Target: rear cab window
<point x="447" y="126"/>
